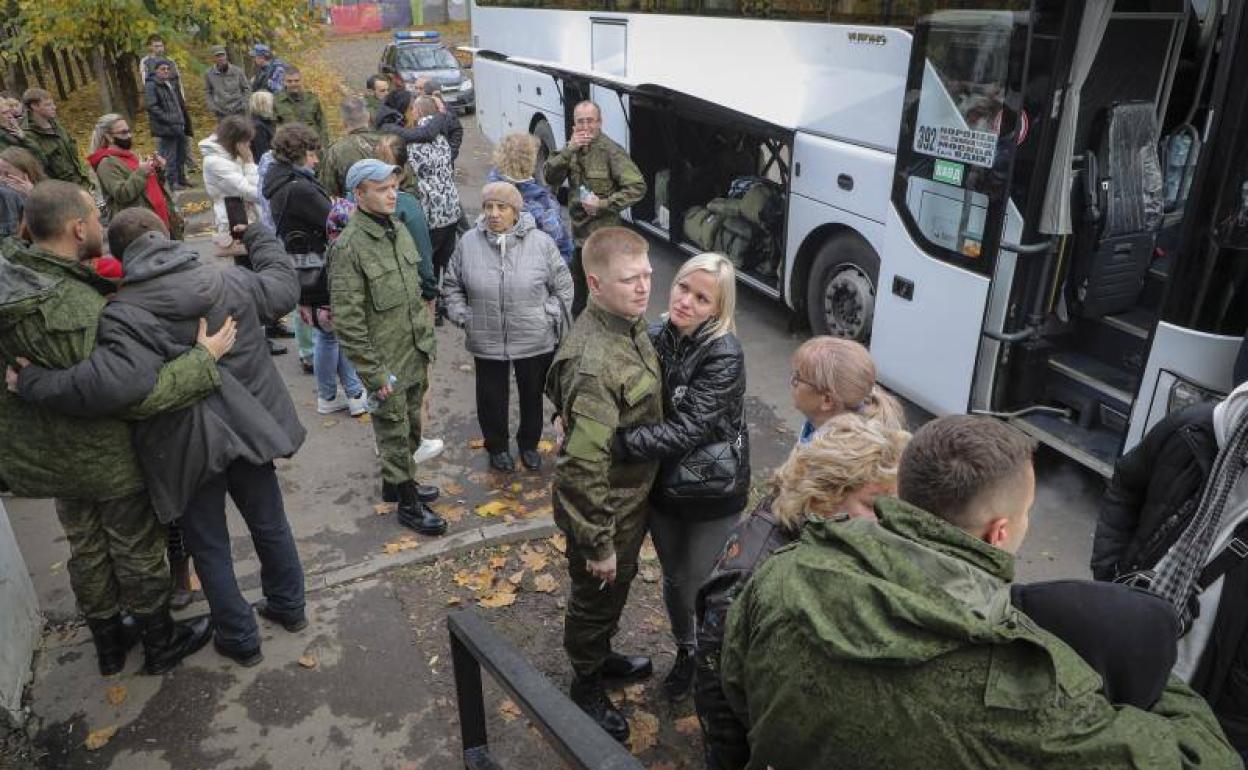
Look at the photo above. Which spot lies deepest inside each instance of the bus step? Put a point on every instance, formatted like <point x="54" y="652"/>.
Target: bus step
<point x="1095" y="448"/>
<point x="1084" y="383"/>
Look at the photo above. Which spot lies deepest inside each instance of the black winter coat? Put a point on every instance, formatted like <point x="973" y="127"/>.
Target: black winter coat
<point x="703" y="403"/>
<point x="165" y="110"/>
<point x="167" y="290"/>
<point x="261" y="137"/>
<point x="299" y="206"/>
<point x="1155" y="490"/>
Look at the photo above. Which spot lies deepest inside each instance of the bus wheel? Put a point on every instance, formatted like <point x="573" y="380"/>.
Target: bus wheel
<point x="840" y="294"/>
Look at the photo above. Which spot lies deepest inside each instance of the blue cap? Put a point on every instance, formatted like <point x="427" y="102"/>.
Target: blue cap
<point x="260" y="49"/>
<point x="369" y="169"/>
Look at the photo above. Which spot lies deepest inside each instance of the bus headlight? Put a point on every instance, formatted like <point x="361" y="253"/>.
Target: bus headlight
<point x="466" y="85"/>
<point x="1184" y="394"/>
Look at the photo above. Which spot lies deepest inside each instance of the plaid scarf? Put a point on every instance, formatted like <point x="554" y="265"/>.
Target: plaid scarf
<point x="1177" y="572"/>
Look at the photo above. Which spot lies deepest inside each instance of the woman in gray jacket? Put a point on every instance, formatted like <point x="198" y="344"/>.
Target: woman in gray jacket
<point x="509" y="288"/>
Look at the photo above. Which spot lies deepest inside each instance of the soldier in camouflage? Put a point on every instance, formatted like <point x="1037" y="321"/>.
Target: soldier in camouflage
<point x="50" y="304"/>
<point x="605" y="376"/>
<point x="295" y="105"/>
<point x="602" y="179"/>
<point x="386" y="329"/>
<point x="359" y="143"/>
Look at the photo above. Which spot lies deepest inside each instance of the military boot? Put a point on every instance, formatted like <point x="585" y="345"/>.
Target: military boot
<point x="426" y="492"/>
<point x="165" y="642"/>
<point x="587" y="692"/>
<point x="415" y="514"/>
<point x="111" y="644"/>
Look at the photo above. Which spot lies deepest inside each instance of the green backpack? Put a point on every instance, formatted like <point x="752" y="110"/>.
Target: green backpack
<point x="701" y="227"/>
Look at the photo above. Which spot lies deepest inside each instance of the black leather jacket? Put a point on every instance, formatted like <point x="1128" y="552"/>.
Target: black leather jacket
<point x="703" y="400"/>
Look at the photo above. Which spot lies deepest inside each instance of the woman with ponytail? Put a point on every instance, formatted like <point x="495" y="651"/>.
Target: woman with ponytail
<point x="832" y="376"/>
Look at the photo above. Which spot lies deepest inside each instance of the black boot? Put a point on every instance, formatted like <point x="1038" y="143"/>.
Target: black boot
<point x="626" y="668"/>
<point x="587" y="693"/>
<point x="111" y="644"/>
<point x="417" y="515"/>
<point x="678" y="681"/>
<point x="426" y="493"/>
<point x="165" y="642"/>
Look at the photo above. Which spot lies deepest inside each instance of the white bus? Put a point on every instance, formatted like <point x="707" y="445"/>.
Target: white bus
<point x="1031" y="209"/>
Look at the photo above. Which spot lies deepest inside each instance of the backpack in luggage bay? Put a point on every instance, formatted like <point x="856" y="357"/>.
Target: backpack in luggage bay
<point x="701" y="226"/>
<point x="744" y="243"/>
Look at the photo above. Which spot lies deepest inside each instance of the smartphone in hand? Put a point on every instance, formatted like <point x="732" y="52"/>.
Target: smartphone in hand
<point x="235" y="213"/>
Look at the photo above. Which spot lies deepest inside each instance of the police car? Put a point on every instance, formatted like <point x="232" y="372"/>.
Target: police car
<point x="417" y="53"/>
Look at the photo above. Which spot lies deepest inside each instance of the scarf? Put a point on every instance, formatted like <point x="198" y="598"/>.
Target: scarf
<point x="155" y="195"/>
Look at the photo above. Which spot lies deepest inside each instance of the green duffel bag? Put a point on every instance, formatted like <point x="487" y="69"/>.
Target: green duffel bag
<point x="725" y="207"/>
<point x="662" y="182"/>
<point x="736" y="239"/>
<point x="761" y="205"/>
<point x="701" y="227"/>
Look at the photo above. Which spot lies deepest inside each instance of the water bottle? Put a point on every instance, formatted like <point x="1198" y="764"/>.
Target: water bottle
<point x="583" y="192"/>
<point x="374" y="403"/>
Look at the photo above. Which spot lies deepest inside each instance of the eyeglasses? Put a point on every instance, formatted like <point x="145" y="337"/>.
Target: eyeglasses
<point x="796" y="379"/>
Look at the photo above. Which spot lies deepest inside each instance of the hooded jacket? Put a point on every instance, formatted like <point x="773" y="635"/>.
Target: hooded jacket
<point x="510" y="291"/>
<point x="226" y="176"/>
<point x="49" y="313"/>
<point x="57" y="151"/>
<point x="157" y="311"/>
<point x="546" y="211"/>
<point x="299" y="206"/>
<point x="894" y="644"/>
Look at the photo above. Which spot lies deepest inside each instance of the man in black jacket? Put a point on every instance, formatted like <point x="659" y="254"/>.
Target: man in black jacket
<point x="167" y="114"/>
<point x="226" y="443"/>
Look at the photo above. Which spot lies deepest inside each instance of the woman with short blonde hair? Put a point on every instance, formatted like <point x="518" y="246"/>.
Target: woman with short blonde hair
<point x="515" y="161"/>
<point x="832" y="376"/>
<point x="841" y="471"/>
<point x="702" y="443"/>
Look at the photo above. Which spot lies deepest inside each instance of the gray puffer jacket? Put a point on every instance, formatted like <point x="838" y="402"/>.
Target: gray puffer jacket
<point x="167" y="290"/>
<point x="511" y="291"/>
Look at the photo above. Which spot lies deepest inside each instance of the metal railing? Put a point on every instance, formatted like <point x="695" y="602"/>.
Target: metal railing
<point x="577" y="738"/>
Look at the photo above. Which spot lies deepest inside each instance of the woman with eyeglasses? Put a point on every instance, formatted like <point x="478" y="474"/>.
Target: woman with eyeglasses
<point x="833" y="376"/>
<point x="704" y="478"/>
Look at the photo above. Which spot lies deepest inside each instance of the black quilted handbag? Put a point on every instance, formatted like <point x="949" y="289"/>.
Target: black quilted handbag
<point x="712" y="471"/>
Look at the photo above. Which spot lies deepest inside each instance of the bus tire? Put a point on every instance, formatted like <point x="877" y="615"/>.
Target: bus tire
<point x="840" y="292"/>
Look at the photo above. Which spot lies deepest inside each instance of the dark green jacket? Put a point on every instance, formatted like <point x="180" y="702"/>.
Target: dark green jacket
<point x="58" y="152"/>
<point x="8" y="140"/>
<point x="126" y="189"/>
<point x="49" y="312"/>
<point x="605" y="376"/>
<point x="302" y="108"/>
<point x="894" y="645"/>
<point x="380" y="319"/>
<point x="337" y="160"/>
<point x="607" y="170"/>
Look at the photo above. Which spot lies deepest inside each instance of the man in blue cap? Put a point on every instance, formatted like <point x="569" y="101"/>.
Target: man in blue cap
<point x="270" y="70"/>
<point x="386" y="329"/>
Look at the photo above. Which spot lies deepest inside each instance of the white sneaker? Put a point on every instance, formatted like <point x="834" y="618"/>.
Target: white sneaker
<point x="334" y="404"/>
<point x="358" y="405"/>
<point x="429" y="449"/>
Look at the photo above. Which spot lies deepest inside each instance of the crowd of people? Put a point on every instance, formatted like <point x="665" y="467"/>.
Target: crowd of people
<point x="862" y="613"/>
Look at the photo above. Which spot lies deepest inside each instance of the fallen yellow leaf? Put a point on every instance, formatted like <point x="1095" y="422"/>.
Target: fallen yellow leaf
<point x="308" y="660"/>
<point x="98" y="739"/>
<point x="509" y="711"/>
<point x="515" y="487"/>
<point x="477" y="443"/>
<point x="451" y="489"/>
<point x="493" y="508"/>
<point x="688" y="725"/>
<point x="455" y="513"/>
<point x="498" y="562"/>
<point x="454" y="601"/>
<point x="545" y="583"/>
<point x="516" y="578"/>
<point x="560" y="542"/>
<point x="534" y="561"/>
<point x="644" y="732"/>
<point x="116" y="695"/>
<point x="475" y="581"/>
<point x="392" y="548"/>
<point x="546" y="445"/>
<point x="500" y="598"/>
<point x="366" y="417"/>
<point x="634" y="693"/>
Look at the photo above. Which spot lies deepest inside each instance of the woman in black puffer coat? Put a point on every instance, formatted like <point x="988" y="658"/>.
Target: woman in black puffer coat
<point x="696" y="501"/>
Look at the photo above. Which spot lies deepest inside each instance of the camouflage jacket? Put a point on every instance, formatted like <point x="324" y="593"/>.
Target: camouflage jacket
<point x="605" y="168"/>
<point x="379" y="317"/>
<point x="337" y="160"/>
<point x="58" y="152"/>
<point x="302" y="108"/>
<point x="902" y="630"/>
<point x="49" y="311"/>
<point x="604" y="376"/>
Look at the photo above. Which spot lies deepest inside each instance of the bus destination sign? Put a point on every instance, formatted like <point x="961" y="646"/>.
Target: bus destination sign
<point x="966" y="145"/>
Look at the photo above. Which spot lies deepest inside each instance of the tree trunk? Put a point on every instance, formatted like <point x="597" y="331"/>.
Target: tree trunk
<point x="68" y="66"/>
<point x="103" y="86"/>
<point x="124" y="70"/>
<point x="38" y="68"/>
<point x="18" y="77"/>
<point x="49" y="58"/>
<point x="83" y="72"/>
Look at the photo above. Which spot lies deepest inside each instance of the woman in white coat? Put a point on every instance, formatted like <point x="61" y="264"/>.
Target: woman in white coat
<point x="230" y="171"/>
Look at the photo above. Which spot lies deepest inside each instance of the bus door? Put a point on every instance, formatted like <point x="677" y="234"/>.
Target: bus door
<point x="609" y="56"/>
<point x="949" y="201"/>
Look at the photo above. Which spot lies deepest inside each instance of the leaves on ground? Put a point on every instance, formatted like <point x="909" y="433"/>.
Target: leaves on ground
<point x="546" y="445"/>
<point x="634" y="693"/>
<point x="404" y="543"/>
<point x="98" y="739"/>
<point x="509" y="711"/>
<point x="308" y="660"/>
<point x="502" y="596"/>
<point x="495" y="508"/>
<point x="477" y="581"/>
<point x="688" y="725"/>
<point x="534" y="560"/>
<point x="516" y="578"/>
<point x="477" y="443"/>
<point x="535" y="495"/>
<point x="116" y="695"/>
<point x="545" y="583"/>
<point x="648" y="574"/>
<point x="381" y="509"/>
<point x="559" y="541"/>
<point x="452" y="489"/>
<point x="498" y="562"/>
<point x="454" y="513"/>
<point x="644" y="731"/>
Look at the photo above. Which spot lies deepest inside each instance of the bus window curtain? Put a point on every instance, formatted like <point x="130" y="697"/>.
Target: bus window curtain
<point x="1055" y="218"/>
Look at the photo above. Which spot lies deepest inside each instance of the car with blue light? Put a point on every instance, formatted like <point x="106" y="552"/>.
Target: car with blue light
<point x="417" y="53"/>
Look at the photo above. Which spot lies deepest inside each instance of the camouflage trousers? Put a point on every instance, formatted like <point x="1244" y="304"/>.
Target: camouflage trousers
<point x="396" y="425"/>
<point x="593" y="614"/>
<point x="117" y="555"/>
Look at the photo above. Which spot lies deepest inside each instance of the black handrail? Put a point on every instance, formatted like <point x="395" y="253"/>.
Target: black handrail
<point x="577" y="738"/>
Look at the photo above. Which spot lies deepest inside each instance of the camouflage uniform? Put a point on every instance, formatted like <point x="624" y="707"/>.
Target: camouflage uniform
<point x="58" y="152"/>
<point x="337" y="160"/>
<point x="894" y="644"/>
<point x="304" y="108"/>
<point x="49" y="311"/>
<point x="385" y="328"/>
<point x="604" y="376"/>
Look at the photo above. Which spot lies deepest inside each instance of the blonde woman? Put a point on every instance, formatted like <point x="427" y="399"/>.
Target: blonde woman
<point x="515" y="159"/>
<point x="704" y="478"/>
<point x="263" y="122"/>
<point x="840" y="472"/>
<point x="832" y="376"/>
